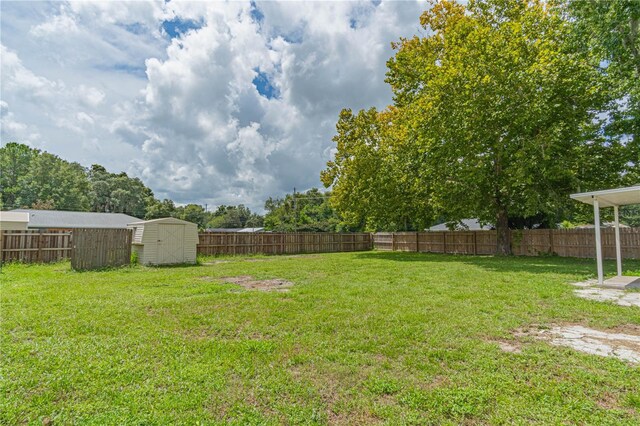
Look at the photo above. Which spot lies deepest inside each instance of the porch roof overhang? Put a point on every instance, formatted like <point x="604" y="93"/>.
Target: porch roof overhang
<point x="611" y="197"/>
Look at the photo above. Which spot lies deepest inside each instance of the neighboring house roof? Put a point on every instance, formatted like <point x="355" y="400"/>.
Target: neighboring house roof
<point x="223" y="229"/>
<point x="602" y="225"/>
<point x="14" y="217"/>
<point x="235" y="229"/>
<point x="68" y="220"/>
<point x="251" y="230"/>
<point x="462" y="225"/>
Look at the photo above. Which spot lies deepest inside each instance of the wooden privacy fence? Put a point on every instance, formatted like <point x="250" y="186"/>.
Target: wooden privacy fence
<point x="215" y="243"/>
<point x="528" y="242"/>
<point x="100" y="248"/>
<point x="34" y="246"/>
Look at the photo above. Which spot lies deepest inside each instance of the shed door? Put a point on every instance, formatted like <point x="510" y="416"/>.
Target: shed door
<point x="170" y="243"/>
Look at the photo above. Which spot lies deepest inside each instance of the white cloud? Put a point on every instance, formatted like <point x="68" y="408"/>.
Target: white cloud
<point x="184" y="114"/>
<point x="90" y="96"/>
<point x="59" y="25"/>
<point x="12" y="130"/>
<point x="17" y="78"/>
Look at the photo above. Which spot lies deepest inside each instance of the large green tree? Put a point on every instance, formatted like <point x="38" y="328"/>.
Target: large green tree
<point x="158" y="209"/>
<point x="15" y="164"/>
<point x="493" y="110"/>
<point x="308" y="211"/>
<point x="36" y="179"/>
<point x="611" y="31"/>
<point x="118" y="193"/>
<point x="30" y="177"/>
<point x="375" y="176"/>
<point x="238" y="216"/>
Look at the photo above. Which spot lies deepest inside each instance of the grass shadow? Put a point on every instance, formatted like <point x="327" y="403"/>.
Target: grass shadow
<point x="530" y="264"/>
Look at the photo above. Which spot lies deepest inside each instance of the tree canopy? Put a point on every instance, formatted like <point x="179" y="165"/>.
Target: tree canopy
<point x="495" y="116"/>
<point x="308" y="211"/>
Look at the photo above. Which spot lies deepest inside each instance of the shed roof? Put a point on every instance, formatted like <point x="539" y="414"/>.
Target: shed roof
<point x="21" y="217"/>
<point x="162" y="220"/>
<point x="611" y="197"/>
<point x="70" y="219"/>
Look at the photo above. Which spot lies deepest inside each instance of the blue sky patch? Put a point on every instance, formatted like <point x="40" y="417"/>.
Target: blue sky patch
<point x="138" y="71"/>
<point x="264" y="86"/>
<point x="296" y="36"/>
<point x="176" y="27"/>
<point x="135" y="28"/>
<point x="256" y="13"/>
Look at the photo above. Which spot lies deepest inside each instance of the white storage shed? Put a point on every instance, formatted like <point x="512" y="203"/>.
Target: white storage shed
<point x="164" y="241"/>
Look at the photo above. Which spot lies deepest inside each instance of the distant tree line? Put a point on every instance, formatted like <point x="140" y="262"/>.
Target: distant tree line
<point x="309" y="211"/>
<point x="32" y="178"/>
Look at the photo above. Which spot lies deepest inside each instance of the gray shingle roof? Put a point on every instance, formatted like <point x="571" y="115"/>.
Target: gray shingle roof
<point x="63" y="219"/>
<point x="465" y="224"/>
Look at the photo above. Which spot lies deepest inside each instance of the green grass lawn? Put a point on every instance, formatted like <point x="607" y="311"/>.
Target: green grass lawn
<point x="361" y="338"/>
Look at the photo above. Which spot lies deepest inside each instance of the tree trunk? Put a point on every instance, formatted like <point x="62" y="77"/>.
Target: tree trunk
<point x="502" y="228"/>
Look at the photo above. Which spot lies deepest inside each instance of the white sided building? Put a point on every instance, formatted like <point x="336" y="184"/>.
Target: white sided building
<point x="14" y="221"/>
<point x="165" y="241"/>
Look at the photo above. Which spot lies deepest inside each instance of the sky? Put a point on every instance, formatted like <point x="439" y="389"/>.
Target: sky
<point x="207" y="102"/>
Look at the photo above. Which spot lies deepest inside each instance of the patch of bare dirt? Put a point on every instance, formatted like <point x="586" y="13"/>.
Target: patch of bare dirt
<point x="206" y="278"/>
<point x="509" y="347"/>
<point x="216" y="262"/>
<point x="249" y="283"/>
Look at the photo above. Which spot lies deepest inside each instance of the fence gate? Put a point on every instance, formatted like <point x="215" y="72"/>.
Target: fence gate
<point x="100" y="248"/>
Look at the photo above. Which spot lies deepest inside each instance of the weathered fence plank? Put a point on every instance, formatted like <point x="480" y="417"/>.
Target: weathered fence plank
<point x="100" y="248"/>
<point x="34" y="246"/>
<point x="218" y="243"/>
<point x="528" y="242"/>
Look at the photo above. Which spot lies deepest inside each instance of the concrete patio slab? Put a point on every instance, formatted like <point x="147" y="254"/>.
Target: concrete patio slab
<point x="590" y="290"/>
<point x="622" y="282"/>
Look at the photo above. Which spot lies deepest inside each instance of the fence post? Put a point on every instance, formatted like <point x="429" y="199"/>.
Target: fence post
<point x="444" y="242"/>
<point x="417" y="242"/>
<point x="40" y="245"/>
<point x="475" y="242"/>
<point x="551" y="248"/>
<point x="393" y="241"/>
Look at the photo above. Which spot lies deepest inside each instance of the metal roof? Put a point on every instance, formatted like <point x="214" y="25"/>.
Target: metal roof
<point x="67" y="219"/>
<point x="463" y="225"/>
<point x="244" y="230"/>
<point x="611" y="197"/>
<point x="171" y="220"/>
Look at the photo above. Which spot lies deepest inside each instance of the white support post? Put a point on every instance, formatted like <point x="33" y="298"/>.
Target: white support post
<point x="596" y="216"/>
<point x="618" y="249"/>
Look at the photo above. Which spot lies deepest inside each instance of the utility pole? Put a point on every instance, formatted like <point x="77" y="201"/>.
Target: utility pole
<point x="295" y="211"/>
